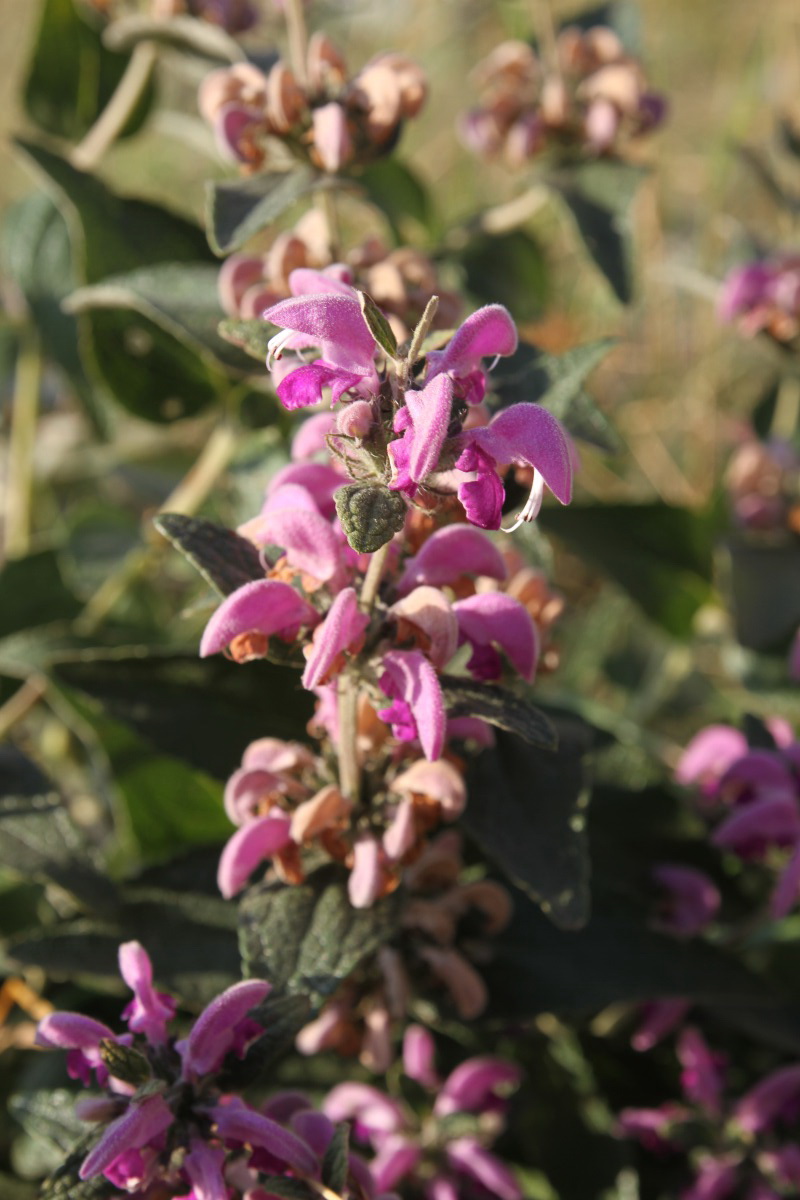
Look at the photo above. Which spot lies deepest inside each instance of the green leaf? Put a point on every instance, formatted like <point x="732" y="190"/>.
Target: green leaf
<point x="181" y="298"/>
<point x="37" y="255"/>
<point x="526" y="810"/>
<point x="179" y="33"/>
<point x="765" y="586"/>
<point x="65" y="1182"/>
<point x="237" y="210"/>
<point x="398" y="193"/>
<point x="282" y="1017"/>
<point x="500" y="707"/>
<point x="201" y="711"/>
<point x="250" y="336"/>
<point x="598" y="196"/>
<point x="289" y="1189"/>
<point x="226" y="560"/>
<point x="308" y="938"/>
<point x="336" y="1163"/>
<point x="33" y="592"/>
<point x="377" y="324"/>
<point x="72" y="75"/>
<point x="556" y="381"/>
<point x="661" y="555"/>
<point x="49" y="1114"/>
<point x="38" y="840"/>
<point x="507" y="268"/>
<point x="369" y="514"/>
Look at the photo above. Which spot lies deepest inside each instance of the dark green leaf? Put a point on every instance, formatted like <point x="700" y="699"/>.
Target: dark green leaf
<point x="250" y="336"/>
<point x="237" y="210"/>
<point x="378" y="326"/>
<point x="507" y="268"/>
<point x="203" y="712"/>
<point x="598" y="196"/>
<point x="49" y="1114"/>
<point x="73" y="75"/>
<point x="336" y="1163"/>
<point x="65" y="1182"/>
<point x="500" y="707"/>
<point x="226" y="560"/>
<point x="181" y="298"/>
<point x="33" y="592"/>
<point x="556" y="381"/>
<point x="526" y="809"/>
<point x="307" y="939"/>
<point x="615" y="958"/>
<point x="289" y="1189"/>
<point x="661" y="555"/>
<point x="765" y="582"/>
<point x="37" y="255"/>
<point x="180" y="33"/>
<point x="370" y="515"/>
<point x="397" y="193"/>
<point x="38" y="839"/>
<point x="789" y="137"/>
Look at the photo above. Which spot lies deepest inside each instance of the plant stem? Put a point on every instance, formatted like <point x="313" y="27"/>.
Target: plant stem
<point x="24" y="416"/>
<point x="298" y="39"/>
<point x="186" y="498"/>
<point x="347" y="751"/>
<point x="116" y="114"/>
<point x="21" y="703"/>
<point x="372" y="579"/>
<point x="326" y="198"/>
<point x="546" y="33"/>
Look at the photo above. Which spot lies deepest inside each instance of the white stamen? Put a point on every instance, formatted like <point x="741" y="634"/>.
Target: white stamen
<point x="533" y="504"/>
<point x="276" y="344"/>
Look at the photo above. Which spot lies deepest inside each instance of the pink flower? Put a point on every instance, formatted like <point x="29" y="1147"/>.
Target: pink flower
<point x="448" y="555"/>
<point x="417" y="710"/>
<point x="342" y="628"/>
<point x="691" y="899"/>
<point x="266" y="607"/>
<point x="491" y="619"/>
<point x="702" y="1077"/>
<point x="149" y="1012"/>
<point x="776" y="1096"/>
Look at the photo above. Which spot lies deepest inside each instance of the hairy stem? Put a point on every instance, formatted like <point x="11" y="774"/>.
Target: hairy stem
<point x="347" y="751"/>
<point x="24" y="416"/>
<point x="326" y="198"/>
<point x="116" y="114"/>
<point x="298" y="39"/>
<point x="372" y="579"/>
<point x="21" y="703"/>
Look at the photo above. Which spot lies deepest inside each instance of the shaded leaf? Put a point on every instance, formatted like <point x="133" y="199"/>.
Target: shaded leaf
<point x="226" y="560"/>
<point x="526" y="809"/>
<point x="598" y="195"/>
<point x="49" y="1114"/>
<point x="290" y="1189"/>
<point x="73" y="75"/>
<point x="308" y="938"/>
<point x="500" y="707"/>
<point x="397" y="192"/>
<point x="237" y="210"/>
<point x="336" y="1163"/>
<point x="33" y="592"/>
<point x="377" y="324"/>
<point x="181" y="298"/>
<point x="507" y="268"/>
<point x="556" y="382"/>
<point x="65" y="1182"/>
<point x="765" y="582"/>
<point x="282" y="1017"/>
<point x="660" y="554"/>
<point x="203" y="712"/>
<point x="250" y="336"/>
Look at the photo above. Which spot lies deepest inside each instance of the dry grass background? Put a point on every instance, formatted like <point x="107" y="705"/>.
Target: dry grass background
<point x="677" y="381"/>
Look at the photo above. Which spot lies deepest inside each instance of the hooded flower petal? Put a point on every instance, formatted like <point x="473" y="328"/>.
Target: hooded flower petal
<point x="710" y="753"/>
<point x="342" y="628"/>
<point x="311" y="437"/>
<point x="332" y="140"/>
<point x="701" y="1079"/>
<point x="486" y="333"/>
<point x="254" y="1129"/>
<point x="427" y="610"/>
<point x="71" y="1031"/>
<point x="251" y="845"/>
<point x="764" y="1104"/>
<point x="658" y="1019"/>
<point x="450" y="553"/>
<point x="265" y="606"/>
<point x="468" y="1155"/>
<point x="303" y="386"/>
<point x="419" y="1056"/>
<point x="418" y="709"/>
<point x="204" y="1167"/>
<point x="429" y="411"/>
<point x="493" y="618"/>
<point x="317" y="478"/>
<point x="366" y="877"/>
<point x="137" y="1126"/>
<point x="483" y="495"/>
<point x="322" y="811"/>
<point x="787" y="889"/>
<point x="401" y="833"/>
<point x="149" y="1011"/>
<point x="474" y="1085"/>
<point x="529" y="434"/>
<point x="396" y="1158"/>
<point x="309" y="540"/>
<point x="752" y="827"/>
<point x="374" y="1113"/>
<point x="334" y="322"/>
<point x="215" y="1031"/>
<point x="438" y="781"/>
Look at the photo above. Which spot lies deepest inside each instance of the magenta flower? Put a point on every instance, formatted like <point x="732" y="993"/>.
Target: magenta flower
<point x="691" y="899"/>
<point x="340" y="631"/>
<point x="447" y="1164"/>
<point x="134" y="1150"/>
<point x="701" y="1079"/>
<point x="491" y="619"/>
<point x="450" y="554"/>
<point x="775" y="1098"/>
<point x="267" y="607"/>
<point x="417" y="711"/>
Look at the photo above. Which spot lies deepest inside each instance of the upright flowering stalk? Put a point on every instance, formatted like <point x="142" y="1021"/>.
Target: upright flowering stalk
<point x="743" y="1148"/>
<point x="435" y="1155"/>
<point x="163" y="1119"/>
